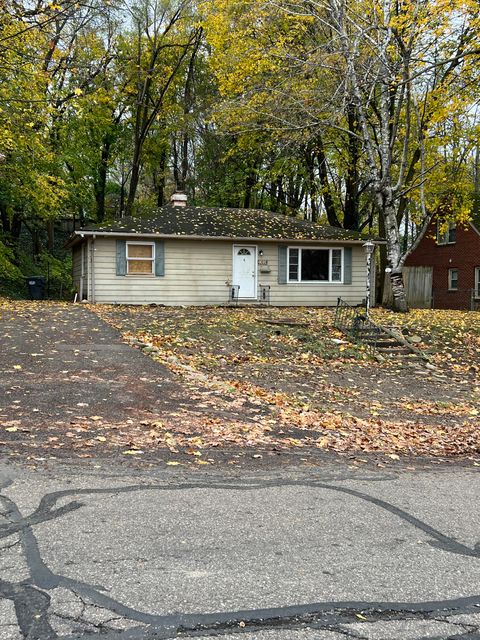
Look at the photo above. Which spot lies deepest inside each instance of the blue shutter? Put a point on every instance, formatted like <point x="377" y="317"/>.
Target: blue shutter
<point x="347" y="265"/>
<point x="121" y="258"/>
<point x="282" y="264"/>
<point x="159" y="258"/>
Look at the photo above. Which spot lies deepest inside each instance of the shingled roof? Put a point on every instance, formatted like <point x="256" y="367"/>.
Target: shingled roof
<point x="212" y="222"/>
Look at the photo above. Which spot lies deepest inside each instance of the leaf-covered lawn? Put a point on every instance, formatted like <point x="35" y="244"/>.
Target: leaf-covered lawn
<point x="451" y="337"/>
<point x="320" y="391"/>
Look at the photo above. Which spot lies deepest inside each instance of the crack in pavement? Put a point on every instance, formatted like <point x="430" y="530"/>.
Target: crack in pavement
<point x="32" y="602"/>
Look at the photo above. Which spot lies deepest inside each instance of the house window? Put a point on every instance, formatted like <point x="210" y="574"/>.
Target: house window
<point x="140" y="258"/>
<point x="452" y="279"/>
<point x="449" y="236"/>
<point x="477" y="282"/>
<point x="314" y="265"/>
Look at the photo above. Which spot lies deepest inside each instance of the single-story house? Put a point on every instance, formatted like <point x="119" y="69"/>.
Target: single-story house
<point x="446" y="261"/>
<point x="186" y="255"/>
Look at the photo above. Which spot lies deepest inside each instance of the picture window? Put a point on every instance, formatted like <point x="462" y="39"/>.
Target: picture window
<point x="315" y="264"/>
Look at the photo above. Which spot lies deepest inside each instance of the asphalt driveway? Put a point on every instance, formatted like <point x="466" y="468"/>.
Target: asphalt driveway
<point x="61" y="361"/>
<point x="63" y="368"/>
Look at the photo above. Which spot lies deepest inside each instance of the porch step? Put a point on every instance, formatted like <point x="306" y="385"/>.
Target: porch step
<point x="400" y="350"/>
<point x="381" y="339"/>
<point x="380" y="344"/>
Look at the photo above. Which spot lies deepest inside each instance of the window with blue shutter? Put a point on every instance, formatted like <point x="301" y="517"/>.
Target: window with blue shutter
<point x="159" y="258"/>
<point x="140" y="258"/>
<point x="347" y="265"/>
<point x="121" y="258"/>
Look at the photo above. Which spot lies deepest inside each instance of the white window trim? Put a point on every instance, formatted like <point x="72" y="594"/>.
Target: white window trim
<point x="152" y="259"/>
<point x="450" y="288"/>
<point x="477" y="282"/>
<point x="443" y="238"/>
<point x="317" y="282"/>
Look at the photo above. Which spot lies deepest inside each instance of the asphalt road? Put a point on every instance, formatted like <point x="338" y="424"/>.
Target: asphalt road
<point x="322" y="553"/>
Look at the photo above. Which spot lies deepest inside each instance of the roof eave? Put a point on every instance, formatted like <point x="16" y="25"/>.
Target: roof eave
<point x="79" y="235"/>
<point x="474" y="226"/>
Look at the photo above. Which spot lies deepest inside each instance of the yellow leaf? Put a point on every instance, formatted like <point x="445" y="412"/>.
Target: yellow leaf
<point x="172" y="463"/>
<point x="17" y="367"/>
<point x="11" y="429"/>
<point x="132" y="452"/>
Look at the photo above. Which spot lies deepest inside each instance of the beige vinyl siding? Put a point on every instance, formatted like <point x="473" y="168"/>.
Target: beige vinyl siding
<point x="198" y="273"/>
<point x="195" y="273"/>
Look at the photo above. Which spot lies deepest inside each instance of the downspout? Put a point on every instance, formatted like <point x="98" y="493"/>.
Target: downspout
<point x="92" y="269"/>
<point x="83" y="248"/>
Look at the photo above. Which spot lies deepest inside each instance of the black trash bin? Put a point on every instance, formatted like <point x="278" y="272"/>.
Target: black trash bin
<point x="36" y="287"/>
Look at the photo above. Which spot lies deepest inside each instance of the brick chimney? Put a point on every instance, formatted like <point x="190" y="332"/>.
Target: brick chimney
<point x="179" y="199"/>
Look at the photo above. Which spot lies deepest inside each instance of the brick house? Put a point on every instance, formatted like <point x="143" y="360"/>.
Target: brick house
<point x="454" y="257"/>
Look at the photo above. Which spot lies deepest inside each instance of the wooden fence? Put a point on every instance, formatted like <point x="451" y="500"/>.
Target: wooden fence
<point x="418" y="286"/>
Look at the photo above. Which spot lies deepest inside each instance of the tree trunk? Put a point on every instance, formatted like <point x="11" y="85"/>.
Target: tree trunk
<point x="160" y="182"/>
<point x="326" y="192"/>
<point x="176" y="171"/>
<point x="4" y="218"/>
<point x="37" y="245"/>
<point x="50" y="235"/>
<point x="351" y="218"/>
<point x="398" y="290"/>
<point x="312" y="187"/>
<point x="394" y="251"/>
<point x="15" y="228"/>
<point x="101" y="182"/>
<point x="280" y="193"/>
<point x="121" y="204"/>
<point x="134" y="180"/>
<point x="250" y="182"/>
<point x="383" y="260"/>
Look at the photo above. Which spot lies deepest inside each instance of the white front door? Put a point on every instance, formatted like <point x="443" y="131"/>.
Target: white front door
<point x="245" y="271"/>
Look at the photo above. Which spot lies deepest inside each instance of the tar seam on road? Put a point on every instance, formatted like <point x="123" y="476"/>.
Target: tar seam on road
<point x="32" y="601"/>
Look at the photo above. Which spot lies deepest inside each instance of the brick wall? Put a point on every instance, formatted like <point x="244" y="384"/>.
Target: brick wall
<point x="463" y="255"/>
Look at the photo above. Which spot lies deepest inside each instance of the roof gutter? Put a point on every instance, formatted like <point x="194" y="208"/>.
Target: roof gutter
<point x="119" y="234"/>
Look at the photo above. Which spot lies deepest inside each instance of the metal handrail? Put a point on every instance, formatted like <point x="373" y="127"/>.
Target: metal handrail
<point x="356" y="324"/>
